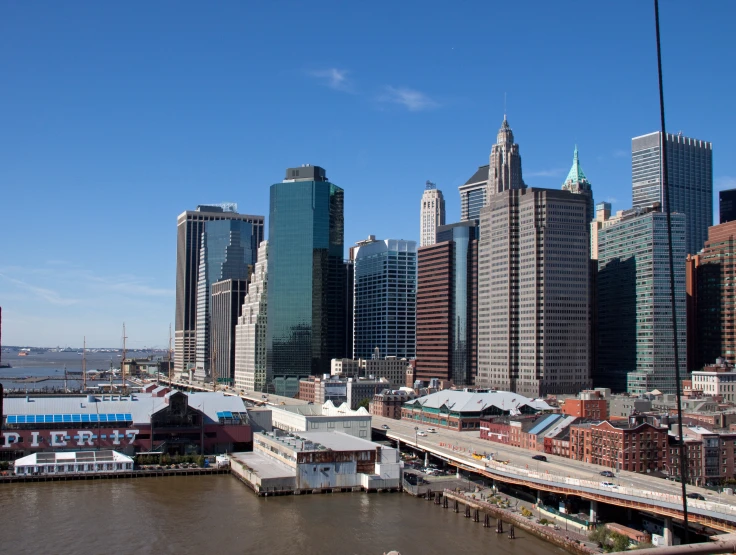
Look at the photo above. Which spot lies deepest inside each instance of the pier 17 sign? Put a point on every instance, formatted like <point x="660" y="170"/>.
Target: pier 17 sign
<point x="105" y="437"/>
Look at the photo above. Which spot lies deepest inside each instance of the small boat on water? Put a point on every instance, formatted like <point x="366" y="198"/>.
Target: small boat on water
<point x="22" y="354"/>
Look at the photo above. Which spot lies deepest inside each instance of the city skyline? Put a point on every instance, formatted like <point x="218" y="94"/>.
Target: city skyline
<point x="96" y="151"/>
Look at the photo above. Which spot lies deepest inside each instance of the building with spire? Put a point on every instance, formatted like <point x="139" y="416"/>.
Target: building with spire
<point x="577" y="183"/>
<point x="504" y="172"/>
<point x="432" y="214"/>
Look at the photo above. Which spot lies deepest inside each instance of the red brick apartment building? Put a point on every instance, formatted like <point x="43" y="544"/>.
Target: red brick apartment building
<point x="638" y="448"/>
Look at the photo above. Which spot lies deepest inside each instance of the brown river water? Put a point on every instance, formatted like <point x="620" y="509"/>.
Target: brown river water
<point x="219" y="515"/>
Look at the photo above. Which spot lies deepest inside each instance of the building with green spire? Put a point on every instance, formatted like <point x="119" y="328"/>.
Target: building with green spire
<point x="577" y="183"/>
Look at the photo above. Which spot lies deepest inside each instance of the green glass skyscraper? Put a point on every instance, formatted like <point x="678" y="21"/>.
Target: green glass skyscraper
<point x="306" y="278"/>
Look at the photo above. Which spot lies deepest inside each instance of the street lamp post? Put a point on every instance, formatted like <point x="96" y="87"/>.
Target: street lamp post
<point x="416" y="441"/>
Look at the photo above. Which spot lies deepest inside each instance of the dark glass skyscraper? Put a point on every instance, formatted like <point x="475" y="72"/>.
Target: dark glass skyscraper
<point x="306" y="278"/>
<point x="727" y="206"/>
<point x="190" y="228"/>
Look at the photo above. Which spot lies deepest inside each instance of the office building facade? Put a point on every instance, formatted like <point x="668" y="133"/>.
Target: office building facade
<point x="227" y="298"/>
<point x="306" y="278"/>
<point x="534" y="293"/>
<point x="690" y="175"/>
<point x="250" y="332"/>
<point x="190" y="228"/>
<point x="228" y="248"/>
<point x="635" y="339"/>
<point x="432" y="214"/>
<point x="385" y="298"/>
<point x="711" y="331"/>
<point x="727" y="206"/>
<point x="447" y="299"/>
<point x="473" y="195"/>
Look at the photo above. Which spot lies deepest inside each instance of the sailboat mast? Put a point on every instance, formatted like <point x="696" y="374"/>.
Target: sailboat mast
<point x="122" y="364"/>
<point x="84" y="365"/>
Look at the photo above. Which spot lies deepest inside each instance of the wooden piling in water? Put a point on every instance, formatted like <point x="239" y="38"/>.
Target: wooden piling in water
<point x="499" y="527"/>
<point x="457" y="507"/>
<point x="511" y="532"/>
<point x="467" y="511"/>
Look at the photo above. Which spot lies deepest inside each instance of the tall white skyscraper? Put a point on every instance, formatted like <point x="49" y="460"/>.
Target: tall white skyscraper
<point x="250" y="332"/>
<point x="504" y="172"/>
<point x="432" y="214"/>
<point x="690" y="176"/>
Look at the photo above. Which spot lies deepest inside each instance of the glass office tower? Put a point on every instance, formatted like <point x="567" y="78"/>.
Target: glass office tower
<point x="385" y="299"/>
<point x="306" y="278"/>
<point x="227" y="248"/>
<point x="690" y="175"/>
<point x="635" y="340"/>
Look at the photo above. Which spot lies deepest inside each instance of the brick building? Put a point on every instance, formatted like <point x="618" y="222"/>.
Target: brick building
<point x="388" y="403"/>
<point x="589" y="404"/>
<point x="633" y="447"/>
<point x="710" y="456"/>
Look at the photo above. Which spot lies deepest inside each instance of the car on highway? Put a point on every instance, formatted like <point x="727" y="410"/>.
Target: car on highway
<point x="607" y="474"/>
<point x="695" y="496"/>
<point x="540" y="458"/>
<point x="384" y="426"/>
<point x="431" y="430"/>
<point x="422" y="434"/>
<point x="608" y="485"/>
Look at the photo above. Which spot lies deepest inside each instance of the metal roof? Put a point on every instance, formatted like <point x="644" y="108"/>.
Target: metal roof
<point x="480" y="175"/>
<point x="472" y="401"/>
<point x="72" y="457"/>
<point x="137" y="408"/>
<point x="544" y="423"/>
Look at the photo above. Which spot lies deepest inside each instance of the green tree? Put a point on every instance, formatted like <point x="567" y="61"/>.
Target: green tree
<point x="365" y="403"/>
<point x="619" y="542"/>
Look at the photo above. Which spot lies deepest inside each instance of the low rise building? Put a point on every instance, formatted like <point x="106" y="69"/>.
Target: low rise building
<point x="710" y="456"/>
<point x="392" y="369"/>
<point x="717" y="380"/>
<point x="632" y="446"/>
<point x="464" y="410"/>
<point x="316" y="461"/>
<point x="388" y="402"/>
<point x="311" y="418"/>
<point x="157" y="419"/>
<point x="73" y="462"/>
<point x="588" y="404"/>
<point x="623" y="406"/>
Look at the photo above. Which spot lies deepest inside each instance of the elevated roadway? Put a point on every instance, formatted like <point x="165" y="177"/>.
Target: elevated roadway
<point x="564" y="476"/>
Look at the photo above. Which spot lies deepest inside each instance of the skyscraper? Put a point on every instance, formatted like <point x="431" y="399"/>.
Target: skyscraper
<point x="635" y="340"/>
<point x="690" y="175"/>
<point x="727" y="206"/>
<point x="577" y="183"/>
<point x="385" y="298"/>
<point x="190" y="227"/>
<point x="473" y="194"/>
<point x="504" y="172"/>
<point x="306" y="278"/>
<point x="227" y="248"/>
<point x="432" y="214"/>
<point x="250" y="332"/>
<point x="227" y="298"/>
<point x="447" y="303"/>
<point x="711" y="330"/>
<point x="533" y="292"/>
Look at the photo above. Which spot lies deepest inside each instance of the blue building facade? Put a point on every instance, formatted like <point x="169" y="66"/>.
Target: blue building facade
<point x="385" y="298"/>
<point x="306" y="278"/>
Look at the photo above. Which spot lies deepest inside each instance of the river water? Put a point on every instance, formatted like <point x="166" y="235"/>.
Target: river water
<point x="218" y="514"/>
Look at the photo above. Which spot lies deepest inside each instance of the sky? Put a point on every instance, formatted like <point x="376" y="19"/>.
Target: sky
<point x="117" y="117"/>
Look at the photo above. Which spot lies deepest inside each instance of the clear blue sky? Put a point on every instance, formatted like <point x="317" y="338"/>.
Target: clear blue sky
<point x="116" y="117"/>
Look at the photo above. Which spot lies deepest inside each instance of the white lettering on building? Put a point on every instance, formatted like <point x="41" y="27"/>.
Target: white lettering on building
<point x="85" y="438"/>
<point x="34" y="439"/>
<point x="57" y="439"/>
<point x="10" y="438"/>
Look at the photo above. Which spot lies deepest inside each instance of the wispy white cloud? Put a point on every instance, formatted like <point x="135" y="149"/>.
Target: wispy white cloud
<point x="619" y="153"/>
<point x="553" y="172"/>
<point x="612" y="200"/>
<point x="49" y="295"/>
<point x="412" y="100"/>
<point x="333" y="77"/>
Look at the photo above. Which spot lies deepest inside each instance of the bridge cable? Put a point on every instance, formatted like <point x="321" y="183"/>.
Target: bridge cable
<point x="665" y="184"/>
